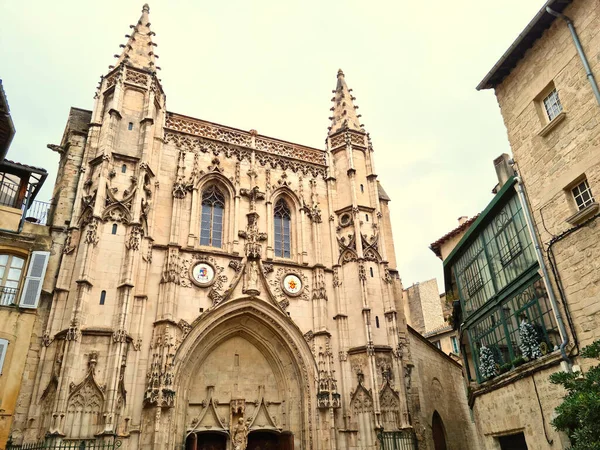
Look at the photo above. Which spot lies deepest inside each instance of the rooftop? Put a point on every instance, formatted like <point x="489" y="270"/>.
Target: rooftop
<point x="437" y="245"/>
<point x="532" y="32"/>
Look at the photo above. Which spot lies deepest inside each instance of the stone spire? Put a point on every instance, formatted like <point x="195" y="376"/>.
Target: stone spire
<point x="344" y="112"/>
<point x="139" y="50"/>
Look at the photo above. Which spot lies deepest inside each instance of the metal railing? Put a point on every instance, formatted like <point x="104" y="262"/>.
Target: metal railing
<point x="8" y="296"/>
<point x="397" y="440"/>
<point x="38" y="212"/>
<point x="9" y="192"/>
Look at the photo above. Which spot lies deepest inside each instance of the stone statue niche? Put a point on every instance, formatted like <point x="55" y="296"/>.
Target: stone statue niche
<point x="239" y="427"/>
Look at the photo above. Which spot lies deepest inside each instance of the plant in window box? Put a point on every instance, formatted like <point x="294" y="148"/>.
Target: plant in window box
<point x="530" y="343"/>
<point x="505" y="367"/>
<point x="487" y="364"/>
<point x="518" y="361"/>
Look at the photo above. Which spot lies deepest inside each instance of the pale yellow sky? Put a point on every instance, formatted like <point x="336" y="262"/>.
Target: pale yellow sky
<point x="271" y="66"/>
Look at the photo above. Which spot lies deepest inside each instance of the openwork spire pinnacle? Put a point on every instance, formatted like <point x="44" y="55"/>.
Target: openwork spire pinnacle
<point x="344" y="112"/>
<point x="139" y="50"/>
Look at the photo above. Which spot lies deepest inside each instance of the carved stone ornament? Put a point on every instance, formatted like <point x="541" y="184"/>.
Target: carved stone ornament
<point x="91" y="232"/>
<point x="281" y="292"/>
<point x="292" y="285"/>
<point x="202" y="274"/>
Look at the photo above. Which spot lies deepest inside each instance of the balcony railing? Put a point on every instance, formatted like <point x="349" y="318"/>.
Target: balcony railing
<point x="38" y="212"/>
<point x="9" y="192"/>
<point x="8" y="296"/>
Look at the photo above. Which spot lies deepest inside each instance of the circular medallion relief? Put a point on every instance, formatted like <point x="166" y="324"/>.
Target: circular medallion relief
<point x="202" y="274"/>
<point x="292" y="285"/>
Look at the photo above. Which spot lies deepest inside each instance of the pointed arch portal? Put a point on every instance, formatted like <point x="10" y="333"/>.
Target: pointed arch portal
<point x="439" y="434"/>
<point x="245" y="360"/>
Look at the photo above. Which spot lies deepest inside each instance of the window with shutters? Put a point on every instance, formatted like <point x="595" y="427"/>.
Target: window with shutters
<point x="3" y="350"/>
<point x="213" y="207"/>
<point x="11" y="269"/>
<point x="32" y="286"/>
<point x="283" y="219"/>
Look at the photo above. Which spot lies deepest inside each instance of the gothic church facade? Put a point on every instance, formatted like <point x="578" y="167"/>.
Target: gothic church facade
<point x="217" y="288"/>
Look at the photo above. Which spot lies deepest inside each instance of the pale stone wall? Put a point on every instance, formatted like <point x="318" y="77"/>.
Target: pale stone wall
<point x="23" y="329"/>
<point x="520" y="404"/>
<point x="423" y="307"/>
<point x="438" y="380"/>
<point x="550" y="164"/>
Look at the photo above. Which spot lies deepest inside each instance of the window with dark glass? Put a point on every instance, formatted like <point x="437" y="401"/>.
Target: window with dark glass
<point x="213" y="206"/>
<point x="283" y="218"/>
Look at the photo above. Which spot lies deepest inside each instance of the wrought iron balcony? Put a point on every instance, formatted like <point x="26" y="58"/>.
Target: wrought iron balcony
<point x="38" y="212"/>
<point x="8" y="296"/>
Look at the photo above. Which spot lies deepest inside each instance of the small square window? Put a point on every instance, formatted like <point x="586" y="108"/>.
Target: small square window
<point x="552" y="105"/>
<point x="438" y="344"/>
<point x="582" y="195"/>
<point x="130" y="126"/>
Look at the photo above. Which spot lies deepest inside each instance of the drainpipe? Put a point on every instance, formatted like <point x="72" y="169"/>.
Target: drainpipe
<point x="579" y="48"/>
<point x="540" y="257"/>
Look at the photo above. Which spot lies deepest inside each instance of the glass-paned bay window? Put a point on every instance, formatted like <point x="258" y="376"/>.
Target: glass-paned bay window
<point x="508" y="244"/>
<point x="501" y="330"/>
<point x="498" y="255"/>
<point x="283" y="218"/>
<point x="213" y="206"/>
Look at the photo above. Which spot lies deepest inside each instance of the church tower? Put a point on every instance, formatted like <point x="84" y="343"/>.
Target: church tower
<point x="217" y="287"/>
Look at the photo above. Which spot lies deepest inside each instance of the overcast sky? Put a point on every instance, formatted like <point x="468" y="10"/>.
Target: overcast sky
<point x="271" y="66"/>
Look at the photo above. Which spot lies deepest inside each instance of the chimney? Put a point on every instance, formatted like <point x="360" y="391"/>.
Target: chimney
<point x="503" y="169"/>
<point x="462" y="219"/>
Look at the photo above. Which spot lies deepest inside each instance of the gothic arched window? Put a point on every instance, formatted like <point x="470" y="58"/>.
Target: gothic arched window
<point x="211" y="228"/>
<point x="283" y="219"/>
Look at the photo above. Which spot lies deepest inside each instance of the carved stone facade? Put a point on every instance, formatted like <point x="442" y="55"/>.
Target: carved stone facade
<point x="217" y="319"/>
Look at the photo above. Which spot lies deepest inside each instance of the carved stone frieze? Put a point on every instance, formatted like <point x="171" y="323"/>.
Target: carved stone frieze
<point x="202" y="145"/>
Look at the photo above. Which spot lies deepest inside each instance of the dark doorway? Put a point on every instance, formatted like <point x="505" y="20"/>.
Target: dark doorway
<point x="439" y="435"/>
<point x="206" y="441"/>
<point x="264" y="440"/>
<point x="513" y="442"/>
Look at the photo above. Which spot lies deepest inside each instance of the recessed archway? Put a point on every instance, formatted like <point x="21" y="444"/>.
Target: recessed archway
<point x="439" y="433"/>
<point x="244" y="351"/>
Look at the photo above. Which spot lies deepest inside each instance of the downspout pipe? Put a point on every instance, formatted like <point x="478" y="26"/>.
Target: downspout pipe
<point x="588" y="70"/>
<point x="538" y="251"/>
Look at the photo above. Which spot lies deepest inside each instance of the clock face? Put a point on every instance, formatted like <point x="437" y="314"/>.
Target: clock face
<point x="292" y="285"/>
<point x="203" y="274"/>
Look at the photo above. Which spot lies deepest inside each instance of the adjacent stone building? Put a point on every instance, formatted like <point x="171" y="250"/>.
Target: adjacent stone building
<point x="550" y="104"/>
<point x="428" y="313"/>
<point x="25" y="245"/>
<point x="218" y="288"/>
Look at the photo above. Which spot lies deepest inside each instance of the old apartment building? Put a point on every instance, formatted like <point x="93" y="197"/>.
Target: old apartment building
<point x="525" y="273"/>
<point x="25" y="245"/>
<point x="218" y="288"/>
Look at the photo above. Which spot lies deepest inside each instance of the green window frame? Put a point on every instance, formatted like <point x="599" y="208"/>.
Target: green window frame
<point x="498" y="329"/>
<point x="498" y="255"/>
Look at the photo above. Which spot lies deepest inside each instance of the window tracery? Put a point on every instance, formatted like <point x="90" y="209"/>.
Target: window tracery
<point x="283" y="219"/>
<point x="213" y="207"/>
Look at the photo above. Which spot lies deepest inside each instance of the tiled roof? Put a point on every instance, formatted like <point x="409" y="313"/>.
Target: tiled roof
<point x="25" y="166"/>
<point x="437" y="245"/>
<point x="441" y="329"/>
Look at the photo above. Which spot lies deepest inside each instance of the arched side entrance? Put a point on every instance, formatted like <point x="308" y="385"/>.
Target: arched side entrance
<point x="206" y="441"/>
<point x="245" y="360"/>
<point x="439" y="433"/>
